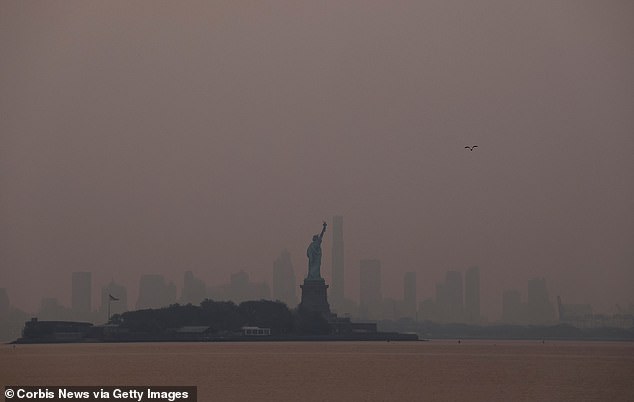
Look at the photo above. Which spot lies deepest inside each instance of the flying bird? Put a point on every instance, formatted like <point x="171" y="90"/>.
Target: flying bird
<point x="471" y="148"/>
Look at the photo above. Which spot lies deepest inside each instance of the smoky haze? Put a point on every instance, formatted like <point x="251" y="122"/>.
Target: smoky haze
<point x="160" y="137"/>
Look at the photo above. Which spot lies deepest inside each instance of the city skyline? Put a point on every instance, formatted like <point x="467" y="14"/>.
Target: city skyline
<point x="209" y="137"/>
<point x="493" y="299"/>
<point x="455" y="301"/>
<point x="459" y="299"/>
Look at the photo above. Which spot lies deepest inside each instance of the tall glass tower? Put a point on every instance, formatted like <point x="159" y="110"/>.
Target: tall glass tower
<point x="337" y="285"/>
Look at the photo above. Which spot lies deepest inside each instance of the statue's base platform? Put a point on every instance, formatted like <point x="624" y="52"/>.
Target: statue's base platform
<point x="314" y="297"/>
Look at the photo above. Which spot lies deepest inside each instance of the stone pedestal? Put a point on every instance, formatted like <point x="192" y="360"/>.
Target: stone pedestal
<point x="314" y="297"/>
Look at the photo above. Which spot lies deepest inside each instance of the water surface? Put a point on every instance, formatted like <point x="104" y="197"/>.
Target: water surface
<point x="338" y="371"/>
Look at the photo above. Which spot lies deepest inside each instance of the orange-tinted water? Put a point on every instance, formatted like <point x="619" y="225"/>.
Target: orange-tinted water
<point x="340" y="371"/>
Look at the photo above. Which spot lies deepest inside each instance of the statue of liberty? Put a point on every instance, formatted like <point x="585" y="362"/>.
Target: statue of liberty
<point x="314" y="256"/>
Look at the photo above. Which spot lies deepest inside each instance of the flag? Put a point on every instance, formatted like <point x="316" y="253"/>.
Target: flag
<point x="112" y="298"/>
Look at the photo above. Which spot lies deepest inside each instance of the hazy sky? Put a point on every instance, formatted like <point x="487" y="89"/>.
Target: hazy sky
<point x="158" y="137"/>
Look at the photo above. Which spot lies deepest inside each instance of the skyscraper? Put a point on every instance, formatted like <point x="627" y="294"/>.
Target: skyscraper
<point x="409" y="294"/>
<point x="512" y="307"/>
<point x="242" y="289"/>
<point x="81" y="294"/>
<point x="539" y="308"/>
<point x="4" y="302"/>
<point x="441" y="311"/>
<point x="370" y="298"/>
<point x="52" y="310"/>
<point x="284" y="281"/>
<point x="154" y="292"/>
<point x="454" y="294"/>
<point x="337" y="285"/>
<point x="472" y="295"/>
<point x="194" y="289"/>
<point x="427" y="310"/>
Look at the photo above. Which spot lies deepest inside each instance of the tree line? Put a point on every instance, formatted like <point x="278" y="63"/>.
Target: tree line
<point x="224" y="316"/>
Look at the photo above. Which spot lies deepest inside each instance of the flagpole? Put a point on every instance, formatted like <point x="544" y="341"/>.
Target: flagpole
<point x="111" y="298"/>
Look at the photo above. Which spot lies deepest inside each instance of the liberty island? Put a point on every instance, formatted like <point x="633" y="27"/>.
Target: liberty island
<point x="256" y="320"/>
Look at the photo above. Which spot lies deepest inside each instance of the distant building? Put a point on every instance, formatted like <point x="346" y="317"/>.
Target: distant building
<point x="579" y="315"/>
<point x="348" y="308"/>
<point x="55" y="331"/>
<point x="284" y="281"/>
<point x="11" y="319"/>
<point x="4" y="302"/>
<point x="472" y="295"/>
<point x="513" y="311"/>
<point x="409" y="295"/>
<point x="370" y="297"/>
<point x="256" y="331"/>
<point x="81" y="295"/>
<point x="441" y="306"/>
<point x="392" y="309"/>
<point x="337" y="287"/>
<point x="155" y="292"/>
<point x="51" y="309"/>
<point x="240" y="289"/>
<point x="427" y="310"/>
<point x="539" y="307"/>
<point x="454" y="296"/>
<point x="194" y="289"/>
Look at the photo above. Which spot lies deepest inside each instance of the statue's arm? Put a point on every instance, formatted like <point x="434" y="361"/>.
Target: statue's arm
<point x="321" y="235"/>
